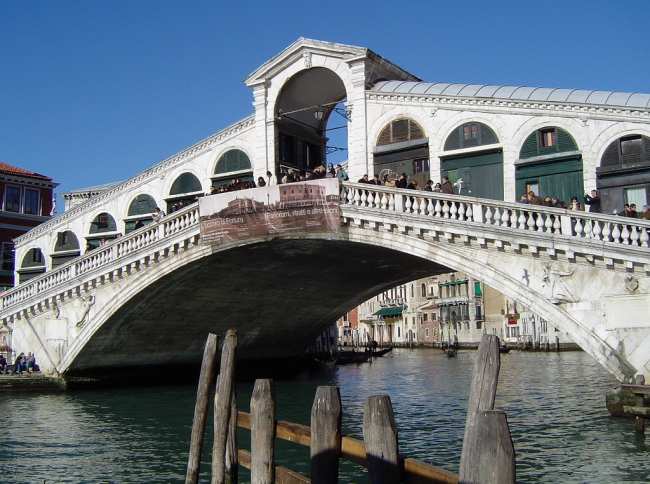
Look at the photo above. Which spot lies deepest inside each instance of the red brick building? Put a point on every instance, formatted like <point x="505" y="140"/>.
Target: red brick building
<point x="26" y="199"/>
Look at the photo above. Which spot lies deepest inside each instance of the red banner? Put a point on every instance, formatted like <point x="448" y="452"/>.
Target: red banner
<point x="303" y="207"/>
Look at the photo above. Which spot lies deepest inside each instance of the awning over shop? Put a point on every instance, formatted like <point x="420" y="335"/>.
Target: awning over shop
<point x="388" y="311"/>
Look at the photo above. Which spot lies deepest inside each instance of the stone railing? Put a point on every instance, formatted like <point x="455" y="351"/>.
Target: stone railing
<point x="531" y="218"/>
<point x="452" y="301"/>
<point x="103" y="257"/>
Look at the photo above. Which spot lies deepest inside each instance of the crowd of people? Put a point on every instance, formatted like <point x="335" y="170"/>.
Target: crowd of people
<point x="22" y="363"/>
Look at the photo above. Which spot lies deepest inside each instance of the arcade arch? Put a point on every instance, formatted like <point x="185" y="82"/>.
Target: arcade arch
<point x="102" y="227"/>
<point x="184" y="191"/>
<point x="402" y="147"/>
<point x="624" y="173"/>
<point x="302" y="119"/>
<point x="472" y="154"/>
<point x="32" y="265"/>
<point x="550" y="163"/>
<point x="66" y="248"/>
<point x="139" y="213"/>
<point x="232" y="164"/>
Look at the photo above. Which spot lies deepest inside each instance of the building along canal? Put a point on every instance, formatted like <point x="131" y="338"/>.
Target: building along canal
<point x="555" y="404"/>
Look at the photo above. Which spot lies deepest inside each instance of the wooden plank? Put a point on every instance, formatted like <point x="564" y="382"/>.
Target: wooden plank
<point x="263" y="432"/>
<point x="638" y="389"/>
<point x="325" y="448"/>
<point x="354" y="450"/>
<point x="380" y="437"/>
<point x="222" y="406"/>
<point x="282" y="474"/>
<point x="416" y="472"/>
<point x="201" y="408"/>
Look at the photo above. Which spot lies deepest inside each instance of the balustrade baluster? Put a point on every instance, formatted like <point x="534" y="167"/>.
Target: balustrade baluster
<point x="616" y="234"/>
<point x="522" y="219"/>
<point x="470" y="213"/>
<point x="438" y="209"/>
<point x="531" y="220"/>
<point x="497" y="216"/>
<point x="548" y="224"/>
<point x="540" y="221"/>
<point x="607" y="232"/>
<point x="597" y="230"/>
<point x="505" y="218"/>
<point x="408" y="204"/>
<point x="371" y="199"/>
<point x="445" y="209"/>
<point x="578" y="227"/>
<point x="557" y="225"/>
<point x="384" y="201"/>
<point x="350" y="193"/>
<point x="357" y="197"/>
<point x="589" y="229"/>
<point x="363" y="199"/>
<point x="625" y="235"/>
<point x="430" y="207"/>
<point x="461" y="211"/>
<point x="634" y="236"/>
<point x="391" y="202"/>
<point x="644" y="237"/>
<point x="488" y="215"/>
<point x="423" y="206"/>
<point x="453" y="210"/>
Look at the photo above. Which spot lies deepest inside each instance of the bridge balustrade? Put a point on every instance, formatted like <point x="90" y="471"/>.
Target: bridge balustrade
<point x="495" y="213"/>
<point x="175" y="223"/>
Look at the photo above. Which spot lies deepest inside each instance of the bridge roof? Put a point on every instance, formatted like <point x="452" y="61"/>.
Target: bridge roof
<point x="609" y="98"/>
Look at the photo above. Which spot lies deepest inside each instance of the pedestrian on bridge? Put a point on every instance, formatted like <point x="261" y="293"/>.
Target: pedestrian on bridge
<point x="593" y="201"/>
<point x="446" y="186"/>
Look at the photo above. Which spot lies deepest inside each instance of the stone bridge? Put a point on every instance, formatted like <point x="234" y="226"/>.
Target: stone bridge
<point x="150" y="298"/>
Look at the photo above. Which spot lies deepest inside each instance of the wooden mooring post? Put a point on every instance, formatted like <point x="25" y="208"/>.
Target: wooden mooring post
<point x="201" y="409"/>
<point x="325" y="445"/>
<point x="488" y="455"/>
<point x="222" y="407"/>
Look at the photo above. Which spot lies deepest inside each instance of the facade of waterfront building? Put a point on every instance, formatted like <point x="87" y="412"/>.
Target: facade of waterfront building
<point x="490" y="141"/>
<point x="27" y="201"/>
<point x="523" y="327"/>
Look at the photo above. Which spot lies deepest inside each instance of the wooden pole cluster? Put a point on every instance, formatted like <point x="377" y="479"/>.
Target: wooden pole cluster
<point x="488" y="455"/>
<point x="223" y="401"/>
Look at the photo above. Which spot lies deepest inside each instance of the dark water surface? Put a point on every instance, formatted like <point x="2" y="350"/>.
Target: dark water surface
<point x="555" y="404"/>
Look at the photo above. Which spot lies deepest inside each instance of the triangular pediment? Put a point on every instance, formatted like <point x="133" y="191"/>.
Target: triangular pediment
<point x="376" y="66"/>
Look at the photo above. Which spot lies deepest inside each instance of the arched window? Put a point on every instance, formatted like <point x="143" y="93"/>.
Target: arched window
<point x="142" y="205"/>
<point x="233" y="160"/>
<point x="412" y="290"/>
<point x="185" y="183"/>
<point x="547" y="141"/>
<point x="32" y="265"/>
<point x="477" y="173"/>
<point x="624" y="173"/>
<point x="103" y="222"/>
<point x="140" y="211"/>
<point x="399" y="131"/>
<point x="423" y="290"/>
<point x="185" y="189"/>
<point x="402" y="148"/>
<point x="102" y="229"/>
<point x="66" y="248"/>
<point x="470" y="135"/>
<point x="550" y="164"/>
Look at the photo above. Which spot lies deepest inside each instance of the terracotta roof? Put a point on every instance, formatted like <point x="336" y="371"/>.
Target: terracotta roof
<point x="8" y="169"/>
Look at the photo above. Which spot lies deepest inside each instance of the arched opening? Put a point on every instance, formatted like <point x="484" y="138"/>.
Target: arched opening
<point x="473" y="161"/>
<point x="402" y="148"/>
<point x="232" y="165"/>
<point x="550" y="164"/>
<point x="308" y="112"/>
<point x="102" y="229"/>
<point x="185" y="190"/>
<point x="140" y="213"/>
<point x="66" y="248"/>
<point x="624" y="174"/>
<point x="32" y="265"/>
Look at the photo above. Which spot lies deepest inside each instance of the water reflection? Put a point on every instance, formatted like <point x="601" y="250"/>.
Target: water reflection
<point x="554" y="402"/>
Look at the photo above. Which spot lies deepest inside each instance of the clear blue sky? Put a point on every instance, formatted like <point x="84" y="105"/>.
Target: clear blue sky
<point x="95" y="91"/>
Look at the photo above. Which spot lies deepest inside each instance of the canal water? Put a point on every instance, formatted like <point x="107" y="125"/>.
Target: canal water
<point x="555" y="404"/>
